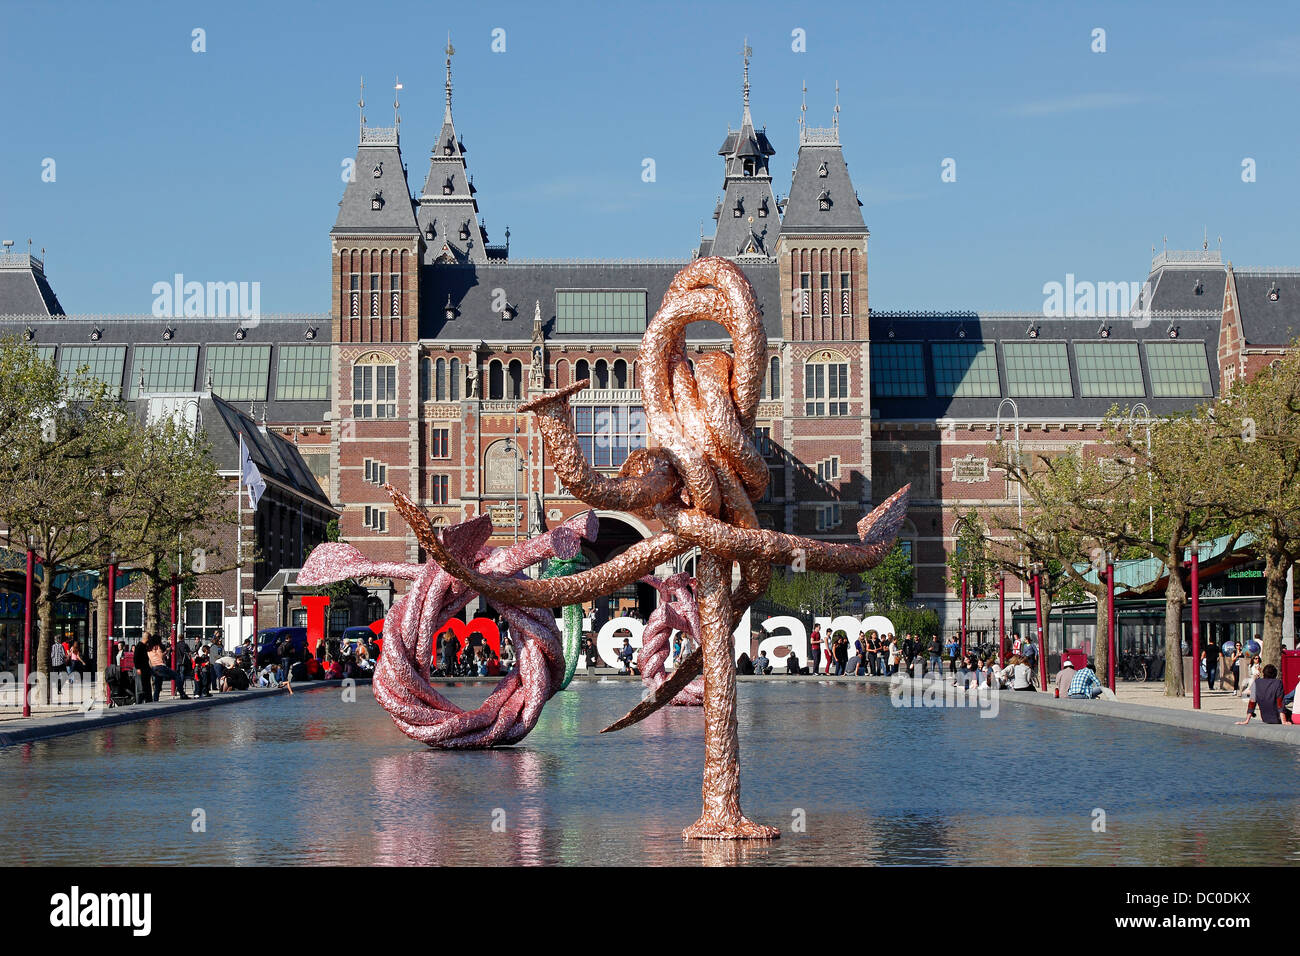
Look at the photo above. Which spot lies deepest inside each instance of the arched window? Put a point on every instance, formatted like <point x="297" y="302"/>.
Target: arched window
<point x="774" y="378"/>
<point x="602" y="374"/>
<point x="826" y="384"/>
<point x="440" y="380"/>
<point x="374" y="386"/>
<point x="581" y="370"/>
<point x="561" y="374"/>
<point x="453" y="390"/>
<point x="426" y="368"/>
<point x="620" y="373"/>
<point x="496" y="381"/>
<point x="515" y="380"/>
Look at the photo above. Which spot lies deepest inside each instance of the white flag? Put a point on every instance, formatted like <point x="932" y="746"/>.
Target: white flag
<point x="252" y="478"/>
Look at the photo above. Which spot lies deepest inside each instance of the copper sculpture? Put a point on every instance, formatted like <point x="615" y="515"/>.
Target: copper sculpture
<point x="699" y="478"/>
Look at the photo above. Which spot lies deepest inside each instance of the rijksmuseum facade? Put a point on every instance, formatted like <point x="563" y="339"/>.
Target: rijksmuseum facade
<point x="435" y="336"/>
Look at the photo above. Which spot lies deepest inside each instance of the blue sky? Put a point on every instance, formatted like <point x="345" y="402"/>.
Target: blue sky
<point x="225" y="165"/>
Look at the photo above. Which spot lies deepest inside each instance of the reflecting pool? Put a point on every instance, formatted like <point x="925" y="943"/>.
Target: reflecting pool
<point x="849" y="778"/>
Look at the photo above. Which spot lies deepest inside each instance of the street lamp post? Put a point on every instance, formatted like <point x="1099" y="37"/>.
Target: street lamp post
<point x="1196" y="625"/>
<point x="1038" y="622"/>
<point x="1020" y="517"/>
<point x="1110" y="621"/>
<point x="27" y="627"/>
<point x="174" y="636"/>
<point x="1002" y="621"/>
<point x="964" y="592"/>
<point x="1151" y="509"/>
<point x="112" y="607"/>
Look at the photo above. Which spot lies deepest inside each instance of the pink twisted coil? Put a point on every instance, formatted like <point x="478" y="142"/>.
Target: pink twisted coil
<point x="676" y="612"/>
<point x="401" y="682"/>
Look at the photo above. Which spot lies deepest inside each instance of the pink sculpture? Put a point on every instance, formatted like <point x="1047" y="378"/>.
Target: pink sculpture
<point x="401" y="681"/>
<point x="677" y="612"/>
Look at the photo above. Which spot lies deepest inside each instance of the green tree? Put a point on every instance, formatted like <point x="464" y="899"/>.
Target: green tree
<point x="1258" y="428"/>
<point x="820" y="593"/>
<point x="891" y="581"/>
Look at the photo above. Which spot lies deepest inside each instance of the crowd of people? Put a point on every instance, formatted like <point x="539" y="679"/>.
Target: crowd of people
<point x="139" y="671"/>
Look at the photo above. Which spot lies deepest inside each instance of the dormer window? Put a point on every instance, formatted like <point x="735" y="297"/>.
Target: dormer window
<point x="1274" y="293"/>
<point x="377" y="201"/>
<point x="822" y="171"/>
<point x="509" y="312"/>
<point x="428" y="231"/>
<point x="448" y="147"/>
<point x="448" y="187"/>
<point x="738" y="210"/>
<point x="1200" y="287"/>
<point x="379" y="170"/>
<point x="762" y="209"/>
<point x="824" y="200"/>
<point x="464" y="229"/>
<point x="449" y="310"/>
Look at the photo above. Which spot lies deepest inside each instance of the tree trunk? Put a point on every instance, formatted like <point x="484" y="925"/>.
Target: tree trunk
<point x="152" y="593"/>
<point x="1100" y="644"/>
<point x="1175" y="601"/>
<point x="1276" y="566"/>
<point x="45" y="640"/>
<point x="101" y="631"/>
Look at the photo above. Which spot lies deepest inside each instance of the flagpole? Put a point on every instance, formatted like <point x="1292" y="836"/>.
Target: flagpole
<point x="239" y="544"/>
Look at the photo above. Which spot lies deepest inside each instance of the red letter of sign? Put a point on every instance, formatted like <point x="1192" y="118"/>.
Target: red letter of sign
<point x="315" y="605"/>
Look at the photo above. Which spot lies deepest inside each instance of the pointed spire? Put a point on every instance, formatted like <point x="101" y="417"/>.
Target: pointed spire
<point x="803" y="107"/>
<point x="361" y="103"/>
<point x="835" y="119"/>
<point x="450" y="51"/>
<point x="746" y="53"/>
<point x="397" y="91"/>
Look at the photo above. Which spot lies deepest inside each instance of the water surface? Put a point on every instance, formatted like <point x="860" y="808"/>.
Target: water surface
<point x="314" y="779"/>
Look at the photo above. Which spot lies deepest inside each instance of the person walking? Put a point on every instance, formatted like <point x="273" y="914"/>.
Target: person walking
<point x="1210" y="658"/>
<point x="143" y="681"/>
<point x="936" y="656"/>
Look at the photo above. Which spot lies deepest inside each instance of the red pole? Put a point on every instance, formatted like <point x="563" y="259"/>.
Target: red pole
<point x="1196" y="626"/>
<point x="27" y="633"/>
<point x="963" y="615"/>
<point x="174" y="638"/>
<point x="112" y="604"/>
<point x="1111" y="636"/>
<point x="1002" y="621"/>
<point x="1038" y="619"/>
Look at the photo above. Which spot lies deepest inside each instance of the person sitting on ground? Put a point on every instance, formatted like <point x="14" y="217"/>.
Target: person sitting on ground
<point x="744" y="666"/>
<point x="234" y="678"/>
<point x="792" y="662"/>
<point x="1020" y="676"/>
<point x="1085" y="685"/>
<point x="1266" y="692"/>
<point x="333" y="668"/>
<point x="997" y="674"/>
<point x="761" y="664"/>
<point x="1065" y="677"/>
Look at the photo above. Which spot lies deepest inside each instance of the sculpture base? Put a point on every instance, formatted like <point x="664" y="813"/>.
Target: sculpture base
<point x="741" y="828"/>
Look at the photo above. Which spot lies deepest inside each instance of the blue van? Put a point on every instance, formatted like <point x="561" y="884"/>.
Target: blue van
<point x="269" y="639"/>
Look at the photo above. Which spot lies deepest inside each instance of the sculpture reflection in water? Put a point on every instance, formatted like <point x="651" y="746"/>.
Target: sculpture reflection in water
<point x="698" y="478"/>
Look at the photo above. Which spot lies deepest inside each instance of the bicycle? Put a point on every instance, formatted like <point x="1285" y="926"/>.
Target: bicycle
<point x="1132" y="667"/>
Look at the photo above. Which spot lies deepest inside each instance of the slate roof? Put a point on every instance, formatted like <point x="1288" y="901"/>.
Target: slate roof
<point x="470" y="288"/>
<point x="1265" y="321"/>
<point x="1001" y="329"/>
<point x="448" y="213"/>
<point x="803" y="213"/>
<point x="396" y="216"/>
<point x="136" y="330"/>
<point x="275" y="456"/>
<point x="24" y="289"/>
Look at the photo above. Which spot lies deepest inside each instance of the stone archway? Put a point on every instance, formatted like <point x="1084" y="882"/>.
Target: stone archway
<point x="616" y="533"/>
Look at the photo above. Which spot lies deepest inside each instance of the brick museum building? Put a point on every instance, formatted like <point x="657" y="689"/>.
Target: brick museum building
<point x="435" y="335"/>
